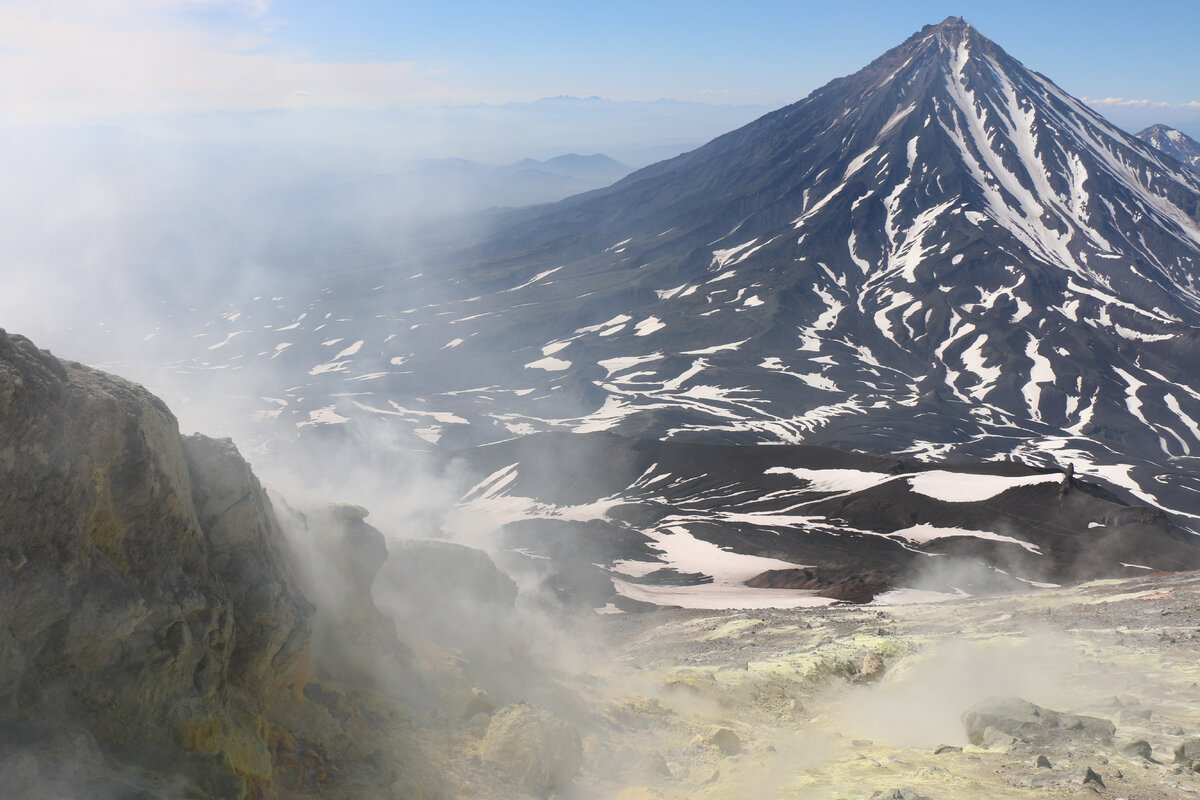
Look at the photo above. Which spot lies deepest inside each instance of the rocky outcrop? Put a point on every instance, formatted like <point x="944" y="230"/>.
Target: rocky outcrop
<point x="340" y="555"/>
<point x="458" y="610"/>
<point x="152" y="613"/>
<point x="1011" y="718"/>
<point x="248" y="553"/>
<point x="119" y="608"/>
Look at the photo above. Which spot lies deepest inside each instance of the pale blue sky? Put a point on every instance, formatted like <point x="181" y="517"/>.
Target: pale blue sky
<point x="751" y="51"/>
<point x="77" y="59"/>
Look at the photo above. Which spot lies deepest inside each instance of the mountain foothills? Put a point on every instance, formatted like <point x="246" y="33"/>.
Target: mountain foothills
<point x="942" y="257"/>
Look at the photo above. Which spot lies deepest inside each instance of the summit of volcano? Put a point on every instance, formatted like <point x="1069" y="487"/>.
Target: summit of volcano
<point x="941" y="257"/>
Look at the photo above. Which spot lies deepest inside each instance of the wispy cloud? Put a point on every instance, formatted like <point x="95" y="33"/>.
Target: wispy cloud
<point x="90" y="59"/>
<point x="1139" y="103"/>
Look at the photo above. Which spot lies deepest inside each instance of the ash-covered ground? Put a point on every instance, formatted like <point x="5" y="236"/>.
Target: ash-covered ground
<point x="1092" y="690"/>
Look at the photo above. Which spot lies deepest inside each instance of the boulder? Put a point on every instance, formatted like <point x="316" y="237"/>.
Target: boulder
<point x="1020" y="719"/>
<point x="651" y="765"/>
<point x="451" y="596"/>
<point x="1138" y="748"/>
<point x="997" y="737"/>
<point x="451" y="593"/>
<point x="478" y="703"/>
<point x="871" y="669"/>
<point x="431" y="569"/>
<point x="726" y="740"/>
<point x="1187" y="752"/>
<point x="539" y="750"/>
<point x="905" y="793"/>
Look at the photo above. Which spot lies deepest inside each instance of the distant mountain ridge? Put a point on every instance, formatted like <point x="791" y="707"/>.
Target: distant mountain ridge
<point x="1177" y="144"/>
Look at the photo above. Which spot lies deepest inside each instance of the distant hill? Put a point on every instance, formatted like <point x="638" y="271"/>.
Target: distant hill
<point x="1177" y="144"/>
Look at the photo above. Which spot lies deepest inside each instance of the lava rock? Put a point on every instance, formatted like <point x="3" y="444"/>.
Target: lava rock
<point x="478" y="703"/>
<point x="1139" y="748"/>
<point x="906" y="793"/>
<point x="1090" y="776"/>
<point x="728" y="741"/>
<point x="1024" y="720"/>
<point x="1187" y="752"/>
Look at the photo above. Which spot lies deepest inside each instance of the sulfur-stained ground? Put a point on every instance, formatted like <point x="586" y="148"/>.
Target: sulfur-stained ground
<point x="656" y="691"/>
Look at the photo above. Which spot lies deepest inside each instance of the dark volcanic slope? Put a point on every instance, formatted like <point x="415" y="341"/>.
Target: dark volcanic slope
<point x="1177" y="144"/>
<point x="688" y="523"/>
<point x="942" y="256"/>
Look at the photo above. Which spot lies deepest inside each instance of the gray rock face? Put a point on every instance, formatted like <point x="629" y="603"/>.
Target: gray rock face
<point x="248" y="552"/>
<point x="999" y="720"/>
<point x="340" y="556"/>
<point x="540" y="751"/>
<point x="145" y="592"/>
<point x="156" y="629"/>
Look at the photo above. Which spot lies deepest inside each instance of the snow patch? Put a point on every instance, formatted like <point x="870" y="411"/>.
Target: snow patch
<point x="958" y="487"/>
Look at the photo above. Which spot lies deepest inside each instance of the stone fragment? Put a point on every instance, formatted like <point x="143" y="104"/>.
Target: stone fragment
<point x="1138" y="748"/>
<point x="728" y="741"/>
<point x="871" y="670"/>
<point x="1091" y="777"/>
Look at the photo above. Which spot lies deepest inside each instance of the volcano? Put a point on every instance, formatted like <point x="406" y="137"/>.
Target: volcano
<point x="1177" y="144"/>
<point x="942" y="257"/>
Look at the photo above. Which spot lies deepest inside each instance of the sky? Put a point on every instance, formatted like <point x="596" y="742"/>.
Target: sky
<point x="78" y="61"/>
